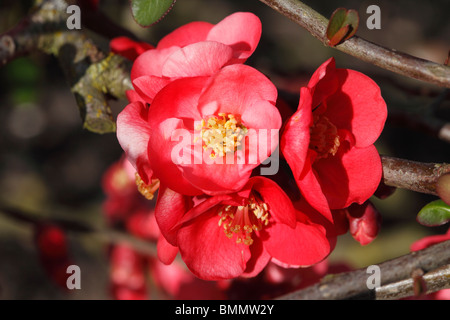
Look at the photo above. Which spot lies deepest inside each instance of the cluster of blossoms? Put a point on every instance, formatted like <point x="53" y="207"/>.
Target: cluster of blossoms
<point x="200" y="128"/>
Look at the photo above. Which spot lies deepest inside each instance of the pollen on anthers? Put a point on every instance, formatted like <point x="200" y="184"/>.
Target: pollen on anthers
<point x="243" y="220"/>
<point x="222" y="134"/>
<point x="147" y="190"/>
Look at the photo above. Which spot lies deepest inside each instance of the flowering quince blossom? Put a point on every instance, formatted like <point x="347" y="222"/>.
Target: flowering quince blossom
<point x="203" y="134"/>
<point x="197" y="51"/>
<point x="237" y="234"/>
<point x="328" y="142"/>
<point x="125" y="206"/>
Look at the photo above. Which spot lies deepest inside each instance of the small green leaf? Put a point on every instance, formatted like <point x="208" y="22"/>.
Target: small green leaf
<point x="342" y="25"/>
<point x="434" y="213"/>
<point x="148" y="12"/>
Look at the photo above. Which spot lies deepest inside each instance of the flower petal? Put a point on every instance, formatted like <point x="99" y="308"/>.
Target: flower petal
<point x="166" y="252"/>
<point x="207" y="251"/>
<point x="259" y="259"/>
<point x="150" y="63"/>
<point x="170" y="208"/>
<point x="358" y="107"/>
<point x="294" y="142"/>
<point x="128" y="48"/>
<point x="241" y="31"/>
<point x="133" y="134"/>
<point x="198" y="59"/>
<point x="280" y="206"/>
<point x="148" y="86"/>
<point x="311" y="190"/>
<point x="323" y="82"/>
<point x="236" y="88"/>
<point x="304" y="245"/>
<point x="187" y="34"/>
<point x="349" y="177"/>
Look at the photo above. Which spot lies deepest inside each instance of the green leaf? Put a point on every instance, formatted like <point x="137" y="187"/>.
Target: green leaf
<point x="434" y="213"/>
<point x="148" y="12"/>
<point x="342" y="25"/>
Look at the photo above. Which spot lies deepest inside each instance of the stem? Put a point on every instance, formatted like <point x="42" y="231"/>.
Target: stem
<point x="106" y="234"/>
<point x="364" y="50"/>
<point x="395" y="274"/>
<point x="94" y="76"/>
<point x="412" y="175"/>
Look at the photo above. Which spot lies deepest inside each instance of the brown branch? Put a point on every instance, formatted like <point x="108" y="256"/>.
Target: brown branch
<point x="432" y="281"/>
<point x="412" y="175"/>
<point x="106" y="234"/>
<point x="93" y="75"/>
<point x="392" y="60"/>
<point x="353" y="284"/>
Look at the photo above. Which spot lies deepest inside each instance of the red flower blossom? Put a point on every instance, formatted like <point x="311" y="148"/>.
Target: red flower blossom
<point x="328" y="142"/>
<point x="227" y="236"/>
<point x="198" y="49"/>
<point x="195" y="49"/>
<point x="51" y="242"/>
<point x="203" y="134"/>
<point x="120" y="185"/>
<point x="127" y="275"/>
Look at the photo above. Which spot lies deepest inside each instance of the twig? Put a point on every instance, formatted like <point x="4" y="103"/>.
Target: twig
<point x="412" y="175"/>
<point x="94" y="77"/>
<point x="353" y="284"/>
<point x="433" y="281"/>
<point x="106" y="234"/>
<point x="392" y="60"/>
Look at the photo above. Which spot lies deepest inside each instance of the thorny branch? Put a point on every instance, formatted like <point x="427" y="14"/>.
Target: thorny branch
<point x="389" y="59"/>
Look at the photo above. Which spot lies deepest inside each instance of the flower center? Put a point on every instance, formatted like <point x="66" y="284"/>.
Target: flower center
<point x="147" y="190"/>
<point x="222" y="134"/>
<point x="243" y="220"/>
<point x="324" y="138"/>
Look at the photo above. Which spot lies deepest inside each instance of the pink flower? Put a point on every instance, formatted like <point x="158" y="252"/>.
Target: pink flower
<point x="127" y="274"/>
<point x="120" y="185"/>
<point x="195" y="49"/>
<point x="328" y="142"/>
<point x="53" y="251"/>
<point x="180" y="284"/>
<point x="197" y="52"/>
<point x="203" y="134"/>
<point x="227" y="236"/>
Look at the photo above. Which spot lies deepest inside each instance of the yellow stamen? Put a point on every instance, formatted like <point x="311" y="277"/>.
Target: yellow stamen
<point x="324" y="137"/>
<point x="242" y="221"/>
<point x="221" y="134"/>
<point x="147" y="190"/>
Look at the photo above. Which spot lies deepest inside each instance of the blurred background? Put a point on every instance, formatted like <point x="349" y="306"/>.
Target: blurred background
<point x="51" y="167"/>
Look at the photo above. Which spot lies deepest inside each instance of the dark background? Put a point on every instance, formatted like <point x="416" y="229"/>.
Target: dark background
<point x="52" y="167"/>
